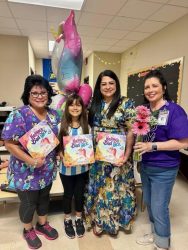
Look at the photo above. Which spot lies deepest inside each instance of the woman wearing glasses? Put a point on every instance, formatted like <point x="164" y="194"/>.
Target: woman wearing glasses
<point x="32" y="177"/>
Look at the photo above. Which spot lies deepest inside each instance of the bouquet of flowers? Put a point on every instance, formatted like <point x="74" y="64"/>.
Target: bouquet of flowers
<point x="141" y="121"/>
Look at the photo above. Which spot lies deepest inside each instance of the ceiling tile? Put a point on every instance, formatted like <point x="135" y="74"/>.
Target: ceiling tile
<point x="95" y="20"/>
<point x="103" y="7"/>
<point x="150" y="26"/>
<point x="139" y="9"/>
<point x="118" y="49"/>
<point x="97" y="47"/>
<point x="173" y="13"/>
<point x="106" y="41"/>
<point x="137" y="36"/>
<point x="124" y="43"/>
<point x="34" y="34"/>
<point x="32" y="25"/>
<point x="183" y="3"/>
<point x="27" y="11"/>
<point x="88" y="40"/>
<point x="157" y="1"/>
<point x="59" y="15"/>
<point x="111" y="33"/>
<point x="4" y="10"/>
<point x="8" y="31"/>
<point x="89" y="31"/>
<point x="7" y="23"/>
<point x="124" y="23"/>
<point x="39" y="43"/>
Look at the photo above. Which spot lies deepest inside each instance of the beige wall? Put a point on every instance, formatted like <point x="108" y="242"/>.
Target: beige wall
<point x="104" y="61"/>
<point x="99" y="61"/>
<point x="38" y="67"/>
<point x="14" y="68"/>
<point x="31" y="58"/>
<point x="88" y="69"/>
<point x="169" y="43"/>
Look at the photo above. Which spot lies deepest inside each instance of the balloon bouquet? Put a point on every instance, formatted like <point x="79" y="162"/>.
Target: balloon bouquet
<point x="67" y="59"/>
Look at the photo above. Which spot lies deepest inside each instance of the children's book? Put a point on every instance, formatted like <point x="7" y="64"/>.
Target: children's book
<point x="110" y="147"/>
<point x="78" y="150"/>
<point x="40" y="140"/>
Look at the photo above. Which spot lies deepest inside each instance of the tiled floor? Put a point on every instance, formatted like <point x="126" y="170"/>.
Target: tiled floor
<point x="11" y="229"/>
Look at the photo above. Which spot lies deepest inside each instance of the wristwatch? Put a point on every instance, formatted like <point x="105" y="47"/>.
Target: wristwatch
<point x="154" y="147"/>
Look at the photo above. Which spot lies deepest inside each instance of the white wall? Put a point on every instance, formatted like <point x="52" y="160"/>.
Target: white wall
<point x="169" y="43"/>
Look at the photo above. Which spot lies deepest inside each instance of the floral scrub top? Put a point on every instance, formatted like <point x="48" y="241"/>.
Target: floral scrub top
<point x="26" y="177"/>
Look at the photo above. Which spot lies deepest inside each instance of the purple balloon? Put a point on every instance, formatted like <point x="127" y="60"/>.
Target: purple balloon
<point x="85" y="92"/>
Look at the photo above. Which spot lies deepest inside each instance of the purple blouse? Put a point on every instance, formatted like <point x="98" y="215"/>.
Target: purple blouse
<point x="176" y="128"/>
<point x="26" y="177"/>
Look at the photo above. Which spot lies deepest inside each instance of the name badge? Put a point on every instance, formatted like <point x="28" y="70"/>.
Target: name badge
<point x="163" y="117"/>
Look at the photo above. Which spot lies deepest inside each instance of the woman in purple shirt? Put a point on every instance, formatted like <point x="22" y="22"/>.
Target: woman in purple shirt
<point x="32" y="177"/>
<point x="161" y="158"/>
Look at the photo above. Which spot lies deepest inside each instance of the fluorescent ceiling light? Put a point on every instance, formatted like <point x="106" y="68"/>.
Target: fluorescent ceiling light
<point x="51" y="46"/>
<point x="66" y="4"/>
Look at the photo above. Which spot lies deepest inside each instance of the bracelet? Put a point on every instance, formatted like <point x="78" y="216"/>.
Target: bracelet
<point x="35" y="163"/>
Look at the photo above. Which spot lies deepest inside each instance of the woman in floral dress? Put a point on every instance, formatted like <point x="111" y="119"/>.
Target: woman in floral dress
<point x="110" y="196"/>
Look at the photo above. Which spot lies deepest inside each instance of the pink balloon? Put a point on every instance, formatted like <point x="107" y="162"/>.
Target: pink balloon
<point x="85" y="92"/>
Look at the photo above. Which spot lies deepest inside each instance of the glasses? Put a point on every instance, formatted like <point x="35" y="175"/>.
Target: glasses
<point x="36" y="94"/>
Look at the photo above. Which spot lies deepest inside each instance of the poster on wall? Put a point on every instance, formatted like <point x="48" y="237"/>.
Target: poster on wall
<point x="172" y="71"/>
<point x="47" y="70"/>
<point x="49" y="75"/>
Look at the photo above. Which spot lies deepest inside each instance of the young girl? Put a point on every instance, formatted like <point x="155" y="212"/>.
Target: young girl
<point x="74" y="122"/>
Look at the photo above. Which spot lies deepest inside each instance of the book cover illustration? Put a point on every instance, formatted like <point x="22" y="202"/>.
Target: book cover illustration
<point x="78" y="150"/>
<point x="110" y="147"/>
<point x="40" y="140"/>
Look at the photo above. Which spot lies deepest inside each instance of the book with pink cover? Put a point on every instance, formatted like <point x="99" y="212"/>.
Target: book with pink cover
<point x="40" y="140"/>
<point x="78" y="150"/>
<point x="110" y="147"/>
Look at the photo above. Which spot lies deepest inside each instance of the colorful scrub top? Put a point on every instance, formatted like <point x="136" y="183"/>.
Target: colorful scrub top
<point x="176" y="128"/>
<point x="26" y="177"/>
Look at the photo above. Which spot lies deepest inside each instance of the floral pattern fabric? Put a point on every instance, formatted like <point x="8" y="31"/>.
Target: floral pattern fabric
<point x="110" y="196"/>
<point x="26" y="177"/>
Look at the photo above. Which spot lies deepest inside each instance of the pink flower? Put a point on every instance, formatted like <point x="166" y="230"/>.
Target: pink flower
<point x="142" y="118"/>
<point x="140" y="128"/>
<point x="143" y="110"/>
<point x="143" y="114"/>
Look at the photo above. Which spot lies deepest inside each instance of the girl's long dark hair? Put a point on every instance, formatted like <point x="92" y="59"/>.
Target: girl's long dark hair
<point x="96" y="103"/>
<point x="67" y="118"/>
<point x="157" y="74"/>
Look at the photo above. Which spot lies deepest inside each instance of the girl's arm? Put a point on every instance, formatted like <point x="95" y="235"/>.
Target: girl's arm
<point x="14" y="148"/>
<point x="169" y="145"/>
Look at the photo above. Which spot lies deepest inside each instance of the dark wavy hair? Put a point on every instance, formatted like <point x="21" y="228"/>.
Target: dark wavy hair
<point x="157" y="74"/>
<point x="36" y="80"/>
<point x="67" y="118"/>
<point x="96" y="103"/>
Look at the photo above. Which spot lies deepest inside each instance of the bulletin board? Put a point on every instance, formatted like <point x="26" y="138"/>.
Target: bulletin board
<point x="172" y="71"/>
